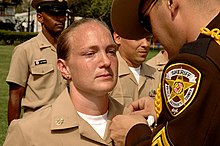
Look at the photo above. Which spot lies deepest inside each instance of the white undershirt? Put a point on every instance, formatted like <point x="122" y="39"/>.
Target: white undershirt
<point x="98" y="123"/>
<point x="136" y="72"/>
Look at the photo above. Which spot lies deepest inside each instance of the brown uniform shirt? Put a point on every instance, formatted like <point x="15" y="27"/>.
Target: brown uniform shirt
<point x="128" y="89"/>
<point x="190" y="97"/>
<point x="59" y="125"/>
<point x="33" y="66"/>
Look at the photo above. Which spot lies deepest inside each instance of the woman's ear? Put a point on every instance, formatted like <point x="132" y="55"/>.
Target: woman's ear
<point x="64" y="69"/>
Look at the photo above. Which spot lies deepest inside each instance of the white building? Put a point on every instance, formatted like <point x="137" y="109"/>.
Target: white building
<point x="22" y="22"/>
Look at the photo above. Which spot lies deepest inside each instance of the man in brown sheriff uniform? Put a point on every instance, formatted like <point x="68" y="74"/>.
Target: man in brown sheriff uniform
<point x="81" y="115"/>
<point x="188" y="102"/>
<point x="33" y="78"/>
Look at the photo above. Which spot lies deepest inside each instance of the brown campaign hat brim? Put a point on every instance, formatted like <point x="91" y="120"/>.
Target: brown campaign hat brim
<point x="124" y="19"/>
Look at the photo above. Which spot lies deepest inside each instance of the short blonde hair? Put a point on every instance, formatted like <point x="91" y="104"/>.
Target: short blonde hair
<point x="63" y="45"/>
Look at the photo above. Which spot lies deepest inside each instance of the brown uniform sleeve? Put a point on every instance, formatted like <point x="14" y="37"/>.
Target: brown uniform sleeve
<point x="138" y="135"/>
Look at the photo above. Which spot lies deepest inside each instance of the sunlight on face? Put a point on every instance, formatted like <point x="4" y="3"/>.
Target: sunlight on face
<point x="93" y="62"/>
<point x="134" y="51"/>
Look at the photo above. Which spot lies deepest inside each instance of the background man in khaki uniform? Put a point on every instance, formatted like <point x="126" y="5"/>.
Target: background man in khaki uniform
<point x="33" y="78"/>
<point x="135" y="78"/>
<point x="80" y="116"/>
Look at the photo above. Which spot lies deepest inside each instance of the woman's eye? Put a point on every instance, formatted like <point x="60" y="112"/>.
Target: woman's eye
<point x="90" y="53"/>
<point x="112" y="51"/>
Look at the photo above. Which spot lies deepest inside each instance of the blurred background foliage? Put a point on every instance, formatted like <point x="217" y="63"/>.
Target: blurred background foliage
<point x="99" y="9"/>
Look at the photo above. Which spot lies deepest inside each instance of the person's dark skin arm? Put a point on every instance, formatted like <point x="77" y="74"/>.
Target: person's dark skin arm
<point x="16" y="93"/>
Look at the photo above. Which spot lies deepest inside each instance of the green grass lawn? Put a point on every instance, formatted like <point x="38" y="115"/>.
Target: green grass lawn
<point x="5" y="57"/>
<point x="152" y="53"/>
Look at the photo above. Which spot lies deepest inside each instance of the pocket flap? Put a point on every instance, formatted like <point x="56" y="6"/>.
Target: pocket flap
<point x="42" y="69"/>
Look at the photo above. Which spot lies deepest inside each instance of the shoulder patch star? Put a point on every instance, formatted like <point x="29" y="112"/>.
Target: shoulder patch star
<point x="180" y="85"/>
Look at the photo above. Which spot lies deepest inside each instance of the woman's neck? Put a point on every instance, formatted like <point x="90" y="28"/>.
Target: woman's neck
<point x="89" y="104"/>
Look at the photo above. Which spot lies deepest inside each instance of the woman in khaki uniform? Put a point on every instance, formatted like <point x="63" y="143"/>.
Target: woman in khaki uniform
<point x="81" y="115"/>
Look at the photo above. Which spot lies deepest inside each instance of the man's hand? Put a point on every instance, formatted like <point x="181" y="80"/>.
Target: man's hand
<point x="143" y="106"/>
<point x="120" y="126"/>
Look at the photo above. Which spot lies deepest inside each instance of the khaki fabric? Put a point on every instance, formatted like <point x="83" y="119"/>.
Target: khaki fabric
<point x="158" y="61"/>
<point x="59" y="125"/>
<point x="127" y="88"/>
<point x="33" y="65"/>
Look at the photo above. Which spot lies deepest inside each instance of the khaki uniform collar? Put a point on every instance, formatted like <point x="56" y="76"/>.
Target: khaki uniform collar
<point x="147" y="70"/>
<point x="161" y="59"/>
<point x="123" y="68"/>
<point x="43" y="42"/>
<point x="87" y="131"/>
<point x="64" y="116"/>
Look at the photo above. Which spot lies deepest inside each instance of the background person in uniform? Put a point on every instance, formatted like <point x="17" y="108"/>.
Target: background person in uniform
<point x="188" y="102"/>
<point x="33" y="78"/>
<point x="80" y="116"/>
<point x="135" y="78"/>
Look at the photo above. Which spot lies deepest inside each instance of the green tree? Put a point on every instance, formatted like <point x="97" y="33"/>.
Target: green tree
<point x="99" y="9"/>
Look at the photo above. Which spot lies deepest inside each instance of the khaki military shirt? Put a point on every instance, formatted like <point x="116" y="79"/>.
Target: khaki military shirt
<point x="159" y="61"/>
<point x="59" y="125"/>
<point x="127" y="88"/>
<point x="33" y="66"/>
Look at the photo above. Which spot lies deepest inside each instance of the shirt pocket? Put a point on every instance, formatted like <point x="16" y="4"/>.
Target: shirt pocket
<point x="42" y="69"/>
<point x="42" y="77"/>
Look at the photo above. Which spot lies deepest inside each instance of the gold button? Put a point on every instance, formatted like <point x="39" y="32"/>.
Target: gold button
<point x="159" y="69"/>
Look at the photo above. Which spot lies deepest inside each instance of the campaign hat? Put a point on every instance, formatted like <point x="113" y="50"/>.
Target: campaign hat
<point x="125" y="19"/>
<point x="55" y="6"/>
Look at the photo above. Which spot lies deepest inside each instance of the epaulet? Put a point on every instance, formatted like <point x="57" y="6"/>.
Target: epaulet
<point x="198" y="47"/>
<point x="214" y="33"/>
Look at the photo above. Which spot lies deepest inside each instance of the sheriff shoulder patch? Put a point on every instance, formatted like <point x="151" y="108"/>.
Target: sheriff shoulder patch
<point x="180" y="85"/>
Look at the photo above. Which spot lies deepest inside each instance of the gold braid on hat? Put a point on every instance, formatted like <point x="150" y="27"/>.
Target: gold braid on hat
<point x="214" y="33"/>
